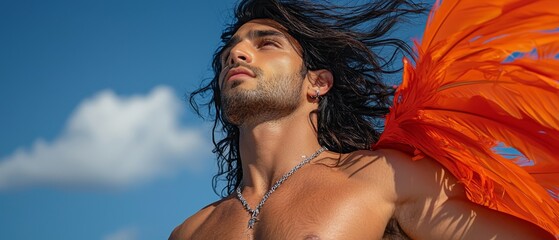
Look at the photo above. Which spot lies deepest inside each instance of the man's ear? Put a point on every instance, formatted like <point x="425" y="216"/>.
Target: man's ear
<point x="321" y="81"/>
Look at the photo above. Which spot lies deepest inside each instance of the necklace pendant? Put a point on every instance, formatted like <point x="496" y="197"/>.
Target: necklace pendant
<point x="253" y="218"/>
<point x="251" y="222"/>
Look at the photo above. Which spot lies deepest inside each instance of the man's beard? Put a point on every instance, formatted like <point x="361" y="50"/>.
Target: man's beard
<point x="272" y="99"/>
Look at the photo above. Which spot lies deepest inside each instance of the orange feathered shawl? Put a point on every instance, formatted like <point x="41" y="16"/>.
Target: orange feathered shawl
<point x="486" y="77"/>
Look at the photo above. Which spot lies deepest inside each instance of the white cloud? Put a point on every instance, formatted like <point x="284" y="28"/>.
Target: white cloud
<point x="128" y="233"/>
<point x="111" y="141"/>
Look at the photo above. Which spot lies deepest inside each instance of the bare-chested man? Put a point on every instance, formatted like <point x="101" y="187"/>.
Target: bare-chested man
<point x="287" y="85"/>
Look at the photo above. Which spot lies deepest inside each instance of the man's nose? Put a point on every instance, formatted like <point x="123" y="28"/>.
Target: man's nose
<point x="240" y="53"/>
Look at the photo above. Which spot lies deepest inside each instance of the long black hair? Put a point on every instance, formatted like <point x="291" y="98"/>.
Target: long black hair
<point x="345" y="40"/>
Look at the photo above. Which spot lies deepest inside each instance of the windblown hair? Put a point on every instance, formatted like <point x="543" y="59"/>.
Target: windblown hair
<point x="341" y="39"/>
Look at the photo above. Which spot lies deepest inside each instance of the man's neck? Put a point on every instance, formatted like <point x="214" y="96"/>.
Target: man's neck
<point x="272" y="148"/>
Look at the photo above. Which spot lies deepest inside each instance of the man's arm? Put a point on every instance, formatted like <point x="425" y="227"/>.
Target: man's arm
<point x="458" y="218"/>
<point x="433" y="205"/>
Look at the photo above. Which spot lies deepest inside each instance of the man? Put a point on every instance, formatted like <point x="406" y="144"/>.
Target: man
<point x="287" y="86"/>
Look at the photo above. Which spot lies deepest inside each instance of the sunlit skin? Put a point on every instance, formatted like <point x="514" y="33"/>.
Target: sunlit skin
<point x="352" y="200"/>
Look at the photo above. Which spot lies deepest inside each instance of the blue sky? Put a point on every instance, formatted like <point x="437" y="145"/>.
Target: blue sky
<point x="97" y="141"/>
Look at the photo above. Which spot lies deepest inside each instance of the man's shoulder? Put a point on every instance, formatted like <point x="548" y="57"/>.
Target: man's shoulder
<point x="400" y="173"/>
<point x="192" y="223"/>
<point x="379" y="155"/>
<point x="372" y="171"/>
<point x="369" y="163"/>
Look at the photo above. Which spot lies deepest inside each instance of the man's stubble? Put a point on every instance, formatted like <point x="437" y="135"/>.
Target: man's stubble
<point x="272" y="99"/>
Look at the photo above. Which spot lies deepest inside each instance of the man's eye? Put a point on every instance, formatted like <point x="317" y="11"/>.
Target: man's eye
<point x="269" y="43"/>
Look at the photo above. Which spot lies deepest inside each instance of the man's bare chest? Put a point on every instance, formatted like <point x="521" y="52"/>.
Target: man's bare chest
<point x="314" y="214"/>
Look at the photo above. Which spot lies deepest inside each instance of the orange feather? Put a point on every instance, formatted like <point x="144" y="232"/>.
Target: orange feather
<point x="467" y="95"/>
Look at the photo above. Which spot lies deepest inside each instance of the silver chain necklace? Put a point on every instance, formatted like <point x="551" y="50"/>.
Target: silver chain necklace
<point x="255" y="212"/>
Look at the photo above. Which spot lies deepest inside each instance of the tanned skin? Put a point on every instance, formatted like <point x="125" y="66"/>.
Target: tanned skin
<point x="352" y="199"/>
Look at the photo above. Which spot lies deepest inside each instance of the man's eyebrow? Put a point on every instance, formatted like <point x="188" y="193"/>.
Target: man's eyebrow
<point x="252" y="35"/>
<point x="265" y="33"/>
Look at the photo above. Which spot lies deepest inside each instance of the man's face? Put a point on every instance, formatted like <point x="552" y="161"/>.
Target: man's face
<point x="262" y="75"/>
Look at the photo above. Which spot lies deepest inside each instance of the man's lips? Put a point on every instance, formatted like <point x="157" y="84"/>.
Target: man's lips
<point x="239" y="72"/>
